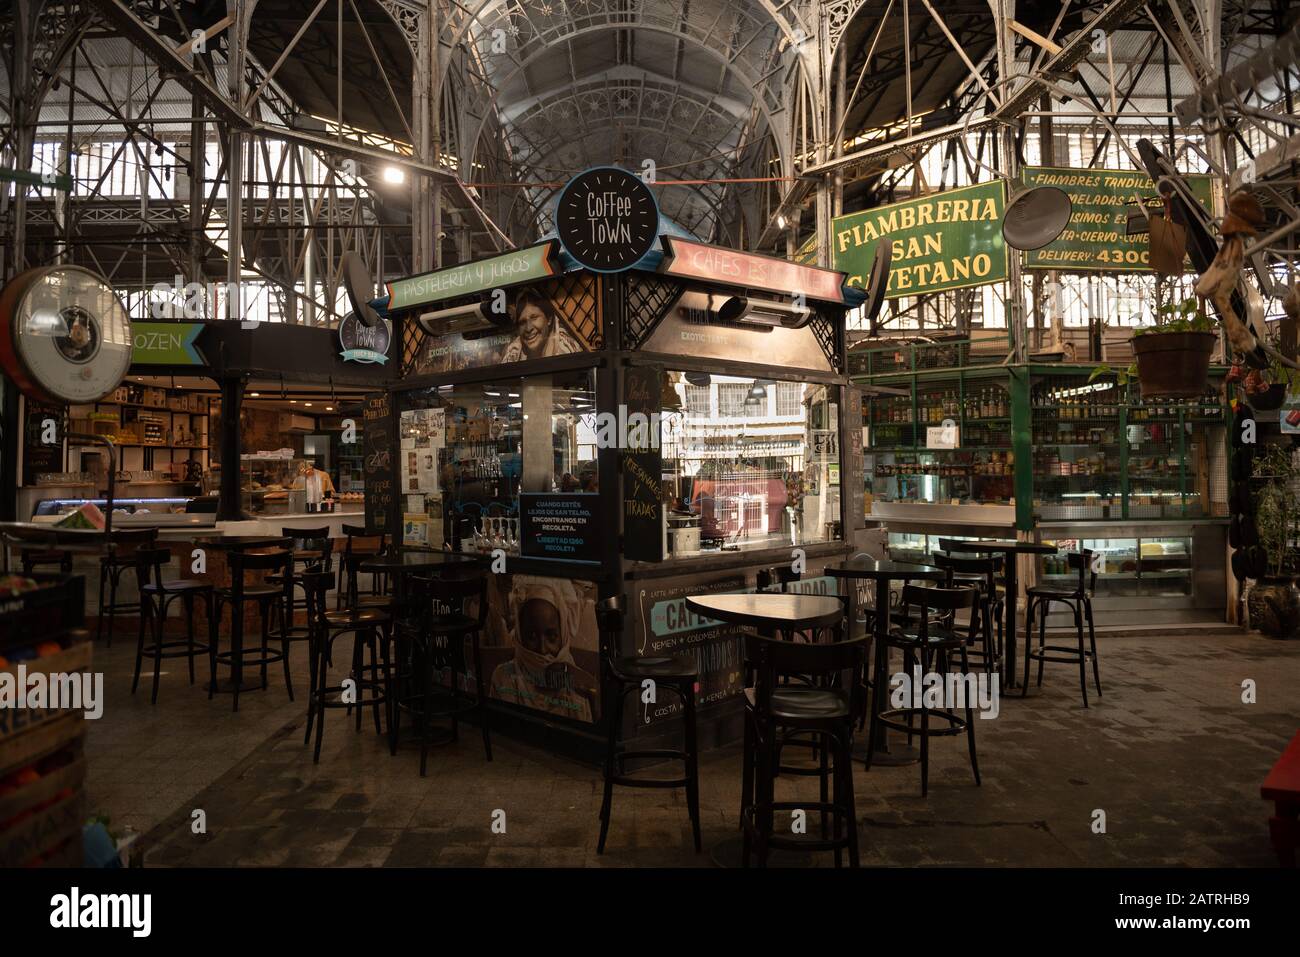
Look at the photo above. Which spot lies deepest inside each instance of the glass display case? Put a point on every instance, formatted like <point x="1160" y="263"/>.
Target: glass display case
<point x="1158" y="566"/>
<point x="749" y="463"/>
<point x="267" y="483"/>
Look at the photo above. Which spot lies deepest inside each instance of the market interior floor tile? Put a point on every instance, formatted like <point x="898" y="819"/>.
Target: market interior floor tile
<point x="1170" y="755"/>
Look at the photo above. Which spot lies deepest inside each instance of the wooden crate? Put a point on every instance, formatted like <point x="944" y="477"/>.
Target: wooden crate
<point x="31" y="733"/>
<point x="43" y="831"/>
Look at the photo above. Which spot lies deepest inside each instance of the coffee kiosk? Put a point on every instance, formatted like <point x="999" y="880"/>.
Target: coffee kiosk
<point x="657" y="418"/>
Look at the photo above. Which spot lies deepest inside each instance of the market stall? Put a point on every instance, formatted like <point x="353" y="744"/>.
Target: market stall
<point x="1055" y="452"/>
<point x="666" y="429"/>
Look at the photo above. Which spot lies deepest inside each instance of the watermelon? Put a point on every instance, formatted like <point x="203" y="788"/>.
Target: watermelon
<point x="87" y="516"/>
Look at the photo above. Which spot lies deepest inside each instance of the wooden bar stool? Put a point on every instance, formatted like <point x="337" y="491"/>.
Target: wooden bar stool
<point x="776" y="709"/>
<point x="931" y="643"/>
<point x="156" y="596"/>
<point x="447" y="623"/>
<point x="312" y="551"/>
<point x="119" y="559"/>
<point x="981" y="574"/>
<point x="267" y="597"/>
<point x="371" y="686"/>
<point x="624" y="675"/>
<point x="358" y="541"/>
<point x="1079" y="600"/>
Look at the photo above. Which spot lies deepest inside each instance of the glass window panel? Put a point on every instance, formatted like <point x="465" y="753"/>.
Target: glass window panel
<point x="773" y="479"/>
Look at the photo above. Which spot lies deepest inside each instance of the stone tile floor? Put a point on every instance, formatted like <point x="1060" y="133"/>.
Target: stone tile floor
<point x="1170" y="754"/>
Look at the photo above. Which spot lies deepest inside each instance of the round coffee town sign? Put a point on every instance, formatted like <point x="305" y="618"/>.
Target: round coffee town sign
<point x="607" y="219"/>
<point x="363" y="343"/>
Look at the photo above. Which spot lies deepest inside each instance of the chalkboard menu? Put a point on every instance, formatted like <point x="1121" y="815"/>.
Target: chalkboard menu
<point x="40" y="456"/>
<point x="643" y="507"/>
<point x="379" y="464"/>
<point x="562" y="527"/>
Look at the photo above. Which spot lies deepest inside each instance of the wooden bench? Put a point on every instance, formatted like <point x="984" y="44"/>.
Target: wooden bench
<point x="1282" y="787"/>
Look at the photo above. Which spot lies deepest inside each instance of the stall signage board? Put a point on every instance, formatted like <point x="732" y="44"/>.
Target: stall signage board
<point x="643" y="507"/>
<point x="852" y="458"/>
<point x="508" y="269"/>
<point x="607" y="219"/>
<point x="1095" y="238"/>
<point x="379" y="465"/>
<point x="691" y="260"/>
<point x="166" y="343"/>
<point x="39" y="455"/>
<point x="942" y="437"/>
<point x="561" y="527"/>
<point x="664" y="626"/>
<point x="362" y="343"/>
<point x="947" y="240"/>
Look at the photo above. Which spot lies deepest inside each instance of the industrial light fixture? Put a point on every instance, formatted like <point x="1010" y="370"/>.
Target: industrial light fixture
<point x="471" y="317"/>
<point x="395" y="175"/>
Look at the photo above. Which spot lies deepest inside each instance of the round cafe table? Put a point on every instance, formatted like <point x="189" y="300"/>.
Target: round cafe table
<point x="406" y="562"/>
<point x="882" y="573"/>
<point x="769" y="613"/>
<point x="1010" y="548"/>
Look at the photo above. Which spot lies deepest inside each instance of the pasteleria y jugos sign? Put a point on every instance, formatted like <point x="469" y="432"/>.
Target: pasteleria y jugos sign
<point x="943" y="241"/>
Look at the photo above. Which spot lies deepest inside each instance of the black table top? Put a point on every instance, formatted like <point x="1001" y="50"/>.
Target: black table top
<point x="411" y="561"/>
<point x="1022" y="548"/>
<point x="769" y="608"/>
<point x="892" y="571"/>
<point x="236" y="543"/>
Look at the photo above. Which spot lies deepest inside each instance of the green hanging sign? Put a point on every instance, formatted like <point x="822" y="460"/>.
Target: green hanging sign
<point x="166" y="344"/>
<point x="505" y="269"/>
<point x="942" y="241"/>
<point x="1095" y="238"/>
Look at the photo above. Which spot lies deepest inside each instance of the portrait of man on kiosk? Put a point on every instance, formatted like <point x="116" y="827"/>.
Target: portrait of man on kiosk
<point x="538" y="331"/>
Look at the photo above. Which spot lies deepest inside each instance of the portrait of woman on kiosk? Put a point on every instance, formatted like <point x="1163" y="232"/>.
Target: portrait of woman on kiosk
<point x="537" y="330"/>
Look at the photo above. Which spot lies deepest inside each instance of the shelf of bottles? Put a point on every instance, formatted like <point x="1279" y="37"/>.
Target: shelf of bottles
<point x="901" y="463"/>
<point x="1101" y="451"/>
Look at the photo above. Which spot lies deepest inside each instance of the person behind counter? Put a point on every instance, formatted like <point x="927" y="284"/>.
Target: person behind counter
<point x="537" y="330"/>
<point x="543" y="674"/>
<point x="316" y="482"/>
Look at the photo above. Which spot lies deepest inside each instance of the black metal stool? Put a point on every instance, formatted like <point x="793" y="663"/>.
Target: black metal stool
<point x="774" y="710"/>
<point x="119" y="559"/>
<point x="443" y="627"/>
<point x="268" y="597"/>
<point x="156" y="596"/>
<point x="1079" y="600"/>
<point x="369" y="627"/>
<point x="931" y="642"/>
<point x="621" y="675"/>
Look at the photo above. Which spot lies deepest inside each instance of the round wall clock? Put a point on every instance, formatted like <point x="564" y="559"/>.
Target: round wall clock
<point x="607" y="219"/>
<point x="64" y="335"/>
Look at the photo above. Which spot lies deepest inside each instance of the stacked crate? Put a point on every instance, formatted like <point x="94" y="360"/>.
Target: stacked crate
<point x="42" y="764"/>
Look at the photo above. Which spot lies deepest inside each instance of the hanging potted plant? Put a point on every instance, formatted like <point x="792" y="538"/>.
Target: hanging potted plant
<point x="1274" y="601"/>
<point x="1173" y="356"/>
